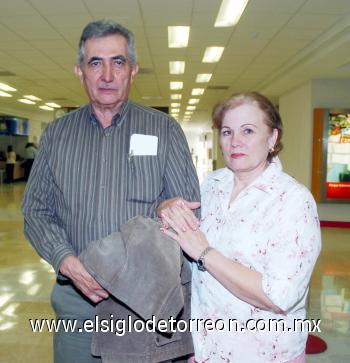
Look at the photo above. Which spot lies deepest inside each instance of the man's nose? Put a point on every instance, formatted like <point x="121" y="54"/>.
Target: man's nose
<point x="107" y="73"/>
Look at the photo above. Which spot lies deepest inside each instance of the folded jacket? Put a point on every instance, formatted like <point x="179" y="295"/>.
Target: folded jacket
<point x="141" y="267"/>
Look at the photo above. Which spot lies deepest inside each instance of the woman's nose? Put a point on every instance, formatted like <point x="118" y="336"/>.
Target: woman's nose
<point x="235" y="140"/>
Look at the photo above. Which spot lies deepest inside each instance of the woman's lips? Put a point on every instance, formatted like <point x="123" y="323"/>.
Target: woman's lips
<point x="237" y="155"/>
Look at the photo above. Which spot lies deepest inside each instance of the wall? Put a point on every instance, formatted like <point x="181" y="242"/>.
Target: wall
<point x="296" y="108"/>
<point x="296" y="112"/>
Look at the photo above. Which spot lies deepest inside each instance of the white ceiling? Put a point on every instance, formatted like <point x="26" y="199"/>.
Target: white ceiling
<point x="277" y="45"/>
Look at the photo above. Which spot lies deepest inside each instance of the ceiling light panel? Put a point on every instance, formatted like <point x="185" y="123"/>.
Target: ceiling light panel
<point x="212" y="54"/>
<point x="203" y="77"/>
<point x="193" y="101"/>
<point x="178" y="36"/>
<point x="46" y="108"/>
<point x="175" y="104"/>
<point x="176" y="85"/>
<point x="230" y="12"/>
<point x="52" y="104"/>
<point x="190" y="108"/>
<point x="177" y="67"/>
<point x="28" y="102"/>
<point x="4" y="94"/>
<point x="176" y="96"/>
<point x="197" y="91"/>
<point x="32" y="98"/>
<point x="7" y="88"/>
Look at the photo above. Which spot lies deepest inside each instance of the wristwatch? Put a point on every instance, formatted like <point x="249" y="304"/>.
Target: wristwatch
<point x="201" y="260"/>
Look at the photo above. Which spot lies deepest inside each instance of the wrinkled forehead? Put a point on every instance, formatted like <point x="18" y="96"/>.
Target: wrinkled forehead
<point x="106" y="46"/>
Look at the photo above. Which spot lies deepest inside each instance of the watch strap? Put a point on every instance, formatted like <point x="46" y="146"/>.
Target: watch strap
<point x="201" y="260"/>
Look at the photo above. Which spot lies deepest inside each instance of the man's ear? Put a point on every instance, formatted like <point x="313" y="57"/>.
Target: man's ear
<point x="78" y="72"/>
<point x="134" y="72"/>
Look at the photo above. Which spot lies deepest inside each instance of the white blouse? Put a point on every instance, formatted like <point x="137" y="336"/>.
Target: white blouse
<point x="271" y="227"/>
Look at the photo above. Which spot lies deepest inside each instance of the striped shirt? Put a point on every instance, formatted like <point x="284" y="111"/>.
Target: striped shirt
<point x="84" y="184"/>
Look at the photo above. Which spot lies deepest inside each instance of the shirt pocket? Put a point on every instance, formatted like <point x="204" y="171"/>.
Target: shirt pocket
<point x="145" y="181"/>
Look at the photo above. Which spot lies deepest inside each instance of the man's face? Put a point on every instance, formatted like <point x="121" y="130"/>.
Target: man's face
<point x="106" y="72"/>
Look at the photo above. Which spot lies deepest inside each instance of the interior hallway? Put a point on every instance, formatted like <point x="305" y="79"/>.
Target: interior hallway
<point x="26" y="282"/>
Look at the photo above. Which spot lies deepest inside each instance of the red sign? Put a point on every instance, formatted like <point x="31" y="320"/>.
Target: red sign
<point x="338" y="190"/>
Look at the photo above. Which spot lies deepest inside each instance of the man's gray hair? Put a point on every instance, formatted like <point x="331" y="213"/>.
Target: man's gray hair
<point x="103" y="28"/>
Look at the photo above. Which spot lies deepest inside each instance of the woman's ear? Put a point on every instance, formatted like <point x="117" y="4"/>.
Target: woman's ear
<point x="273" y="139"/>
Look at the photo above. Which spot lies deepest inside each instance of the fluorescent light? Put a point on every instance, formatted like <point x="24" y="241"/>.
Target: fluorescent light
<point x="28" y="102"/>
<point x="212" y="54"/>
<point x="203" y="77"/>
<point x="175" y="110"/>
<point x="178" y="36"/>
<point x="175" y="104"/>
<point x="197" y="91"/>
<point x="7" y="88"/>
<point x="4" y="94"/>
<point x="190" y="108"/>
<point x="188" y="113"/>
<point x="176" y="85"/>
<point x="52" y="104"/>
<point x="230" y="12"/>
<point x="193" y="101"/>
<point x="177" y="67"/>
<point x="46" y="108"/>
<point x="176" y="96"/>
<point x="33" y="98"/>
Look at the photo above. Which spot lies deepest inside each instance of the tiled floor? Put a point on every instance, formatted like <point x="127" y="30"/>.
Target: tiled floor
<point x="26" y="280"/>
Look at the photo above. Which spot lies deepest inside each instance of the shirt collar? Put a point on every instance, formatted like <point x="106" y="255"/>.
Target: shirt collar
<point x="265" y="182"/>
<point x="116" y="118"/>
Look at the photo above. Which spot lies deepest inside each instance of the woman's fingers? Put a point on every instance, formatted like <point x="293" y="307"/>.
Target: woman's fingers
<point x="171" y="220"/>
<point x="183" y="217"/>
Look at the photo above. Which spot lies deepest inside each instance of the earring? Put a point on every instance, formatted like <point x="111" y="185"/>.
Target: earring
<point x="271" y="150"/>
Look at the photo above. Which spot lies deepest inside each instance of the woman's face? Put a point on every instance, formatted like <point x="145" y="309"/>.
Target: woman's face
<point x="245" y="139"/>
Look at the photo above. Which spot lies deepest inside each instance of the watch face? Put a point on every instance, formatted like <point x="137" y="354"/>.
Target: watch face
<point x="200" y="265"/>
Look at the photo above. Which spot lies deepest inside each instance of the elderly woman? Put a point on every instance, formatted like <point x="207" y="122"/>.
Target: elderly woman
<point x="257" y="245"/>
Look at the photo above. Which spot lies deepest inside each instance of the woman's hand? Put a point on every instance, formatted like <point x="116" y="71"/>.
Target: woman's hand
<point x="193" y="242"/>
<point x="189" y="220"/>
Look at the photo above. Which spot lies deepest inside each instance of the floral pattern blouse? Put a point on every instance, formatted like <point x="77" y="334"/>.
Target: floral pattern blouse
<point x="271" y="227"/>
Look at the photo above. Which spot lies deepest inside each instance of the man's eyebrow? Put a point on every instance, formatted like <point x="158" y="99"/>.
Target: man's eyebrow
<point x="120" y="56"/>
<point x="116" y="57"/>
<point x="94" y="58"/>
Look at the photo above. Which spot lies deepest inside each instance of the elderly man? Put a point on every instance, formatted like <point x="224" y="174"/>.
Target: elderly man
<point x="96" y="168"/>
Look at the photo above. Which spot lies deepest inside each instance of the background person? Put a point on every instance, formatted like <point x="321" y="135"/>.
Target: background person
<point x="30" y="154"/>
<point x="86" y="181"/>
<point x="258" y="241"/>
<point x="10" y="164"/>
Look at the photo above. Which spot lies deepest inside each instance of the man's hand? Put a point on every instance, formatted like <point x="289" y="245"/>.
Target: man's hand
<point x="189" y="220"/>
<point x="72" y="268"/>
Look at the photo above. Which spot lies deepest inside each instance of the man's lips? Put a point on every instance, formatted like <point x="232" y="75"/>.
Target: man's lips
<point x="237" y="155"/>
<point x="107" y="89"/>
